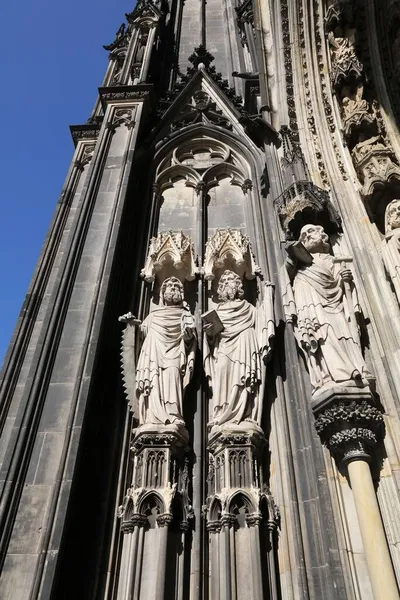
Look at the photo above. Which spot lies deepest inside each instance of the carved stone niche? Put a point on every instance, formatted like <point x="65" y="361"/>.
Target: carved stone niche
<point x="303" y="203"/>
<point x="376" y="167"/>
<point x="229" y="249"/>
<point x="170" y="254"/>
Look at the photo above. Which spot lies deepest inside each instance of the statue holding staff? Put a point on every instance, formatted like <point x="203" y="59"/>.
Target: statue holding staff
<point x="326" y="308"/>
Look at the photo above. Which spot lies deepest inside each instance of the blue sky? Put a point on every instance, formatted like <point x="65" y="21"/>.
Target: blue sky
<point x="52" y="64"/>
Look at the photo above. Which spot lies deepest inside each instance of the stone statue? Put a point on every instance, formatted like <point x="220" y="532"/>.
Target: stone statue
<point x="233" y="356"/>
<point x="391" y="244"/>
<point x="326" y="306"/>
<point x="168" y="342"/>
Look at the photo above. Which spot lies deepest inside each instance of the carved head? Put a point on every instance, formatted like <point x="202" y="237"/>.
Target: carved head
<point x="230" y="287"/>
<point x="392" y="215"/>
<point x="314" y="239"/>
<point x="172" y="292"/>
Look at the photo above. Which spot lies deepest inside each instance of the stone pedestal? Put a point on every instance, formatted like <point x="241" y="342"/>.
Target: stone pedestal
<point x="155" y="512"/>
<point x="242" y="518"/>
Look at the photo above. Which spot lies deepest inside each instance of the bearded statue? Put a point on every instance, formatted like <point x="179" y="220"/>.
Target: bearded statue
<point x="167" y="340"/>
<point x="325" y="323"/>
<point x="391" y="244"/>
<point x="238" y="343"/>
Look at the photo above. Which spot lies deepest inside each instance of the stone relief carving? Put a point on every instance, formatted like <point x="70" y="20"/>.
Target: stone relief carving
<point x="374" y="160"/>
<point x="326" y="306"/>
<point x="170" y="250"/>
<point x="229" y="249"/>
<point x="391" y="244"/>
<point x="234" y="355"/>
<point x="345" y="63"/>
<point x="155" y="383"/>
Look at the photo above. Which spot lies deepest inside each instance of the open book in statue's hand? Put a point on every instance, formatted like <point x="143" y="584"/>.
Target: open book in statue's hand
<point x="299" y="253"/>
<point x="212" y="322"/>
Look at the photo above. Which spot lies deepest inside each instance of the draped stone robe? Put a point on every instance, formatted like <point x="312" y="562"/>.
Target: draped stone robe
<point x="322" y="327"/>
<point x="391" y="258"/>
<point x="233" y="363"/>
<point x="164" y="367"/>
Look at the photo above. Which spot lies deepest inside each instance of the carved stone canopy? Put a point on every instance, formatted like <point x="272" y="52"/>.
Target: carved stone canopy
<point x="346" y="67"/>
<point x="303" y="203"/>
<point x="229" y="249"/>
<point x="170" y="254"/>
<point x="376" y="166"/>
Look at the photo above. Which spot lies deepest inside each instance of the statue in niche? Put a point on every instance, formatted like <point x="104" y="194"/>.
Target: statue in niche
<point x="168" y="342"/>
<point x="238" y="341"/>
<point x="391" y="244"/>
<point x="139" y="55"/>
<point x="140" y="49"/>
<point x="326" y="306"/>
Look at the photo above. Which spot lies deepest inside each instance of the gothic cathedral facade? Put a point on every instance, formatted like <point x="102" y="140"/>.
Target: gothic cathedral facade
<point x="201" y="399"/>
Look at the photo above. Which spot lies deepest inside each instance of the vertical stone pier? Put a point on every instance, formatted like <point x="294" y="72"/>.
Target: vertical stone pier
<point x="242" y="519"/>
<point x="155" y="514"/>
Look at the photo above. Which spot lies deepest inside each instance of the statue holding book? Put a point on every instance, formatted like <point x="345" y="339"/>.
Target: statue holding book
<point x="326" y="303"/>
<point x="238" y="342"/>
<point x="156" y="379"/>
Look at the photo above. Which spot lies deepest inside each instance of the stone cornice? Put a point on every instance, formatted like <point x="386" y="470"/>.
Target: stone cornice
<point x="122" y="93"/>
<point x="88" y="131"/>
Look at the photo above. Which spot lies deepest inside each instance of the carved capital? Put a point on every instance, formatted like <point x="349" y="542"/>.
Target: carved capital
<point x="247" y="186"/>
<point x="214" y="526"/>
<point x="253" y="520"/>
<point x="170" y="253"/>
<point x="228" y="520"/>
<point x="164" y="520"/>
<point x="169" y="436"/>
<point x="348" y="422"/>
<point x="201" y="187"/>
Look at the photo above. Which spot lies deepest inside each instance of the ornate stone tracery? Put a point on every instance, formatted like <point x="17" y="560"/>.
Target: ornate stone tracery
<point x="229" y="249"/>
<point x="170" y="252"/>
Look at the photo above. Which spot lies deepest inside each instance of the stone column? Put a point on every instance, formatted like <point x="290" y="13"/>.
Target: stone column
<point x="350" y="425"/>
